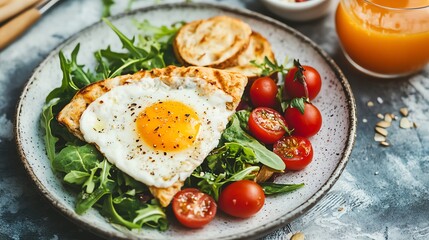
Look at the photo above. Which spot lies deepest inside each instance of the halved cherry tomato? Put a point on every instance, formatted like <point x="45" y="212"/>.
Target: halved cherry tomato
<point x="293" y="88"/>
<point x="266" y="125"/>
<point x="296" y="152"/>
<point x="193" y="208"/>
<point x="242" y="199"/>
<point x="305" y="125"/>
<point x="263" y="92"/>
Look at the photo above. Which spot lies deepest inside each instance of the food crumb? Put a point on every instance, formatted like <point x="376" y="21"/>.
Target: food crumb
<point x="364" y="120"/>
<point x="404" y="111"/>
<point x="379" y="100"/>
<point x="298" y="236"/>
<point x="376" y="173"/>
<point x="370" y="104"/>
<point x="405" y="123"/>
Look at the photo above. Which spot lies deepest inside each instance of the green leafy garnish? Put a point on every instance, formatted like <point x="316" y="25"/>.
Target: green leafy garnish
<point x="45" y="122"/>
<point x="234" y="133"/>
<point x="268" y="68"/>
<point x="107" y="5"/>
<point x="78" y="158"/>
<point x="276" y="188"/>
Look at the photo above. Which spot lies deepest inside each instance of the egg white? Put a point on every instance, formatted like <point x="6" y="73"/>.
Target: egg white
<point x="109" y="122"/>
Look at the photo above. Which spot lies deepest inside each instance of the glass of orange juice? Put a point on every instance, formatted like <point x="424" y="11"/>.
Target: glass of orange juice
<point x="384" y="38"/>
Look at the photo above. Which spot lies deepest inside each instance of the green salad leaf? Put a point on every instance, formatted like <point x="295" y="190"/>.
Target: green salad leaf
<point x="235" y="133"/>
<point x="45" y="122"/>
<point x="212" y="183"/>
<point x="107" y="5"/>
<point x="77" y="158"/>
<point x="276" y="188"/>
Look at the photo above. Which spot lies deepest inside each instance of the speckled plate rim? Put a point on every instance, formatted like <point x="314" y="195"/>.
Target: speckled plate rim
<point x="262" y="229"/>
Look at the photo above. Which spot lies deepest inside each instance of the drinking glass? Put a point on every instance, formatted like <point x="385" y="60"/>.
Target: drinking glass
<point x="384" y="38"/>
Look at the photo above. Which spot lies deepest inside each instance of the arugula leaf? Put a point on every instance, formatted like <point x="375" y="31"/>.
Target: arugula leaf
<point x="162" y="33"/>
<point x="77" y="158"/>
<point x="268" y="68"/>
<point x="230" y="158"/>
<point x="132" y="214"/>
<point x="234" y="133"/>
<point x="74" y="78"/>
<point x="87" y="200"/>
<point x="275" y="188"/>
<point x="107" y="5"/>
<point x="152" y="215"/>
<point x="212" y="183"/>
<point x="45" y="122"/>
<point x="243" y="117"/>
<point x="67" y="89"/>
<point x="126" y="42"/>
<point x="76" y="177"/>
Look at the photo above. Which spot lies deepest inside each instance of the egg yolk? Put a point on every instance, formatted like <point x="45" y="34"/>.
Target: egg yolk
<point x="168" y="126"/>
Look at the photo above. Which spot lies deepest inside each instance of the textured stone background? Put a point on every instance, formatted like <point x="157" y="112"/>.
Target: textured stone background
<point x="382" y="194"/>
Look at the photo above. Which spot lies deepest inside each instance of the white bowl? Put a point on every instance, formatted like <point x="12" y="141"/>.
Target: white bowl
<point x="298" y="11"/>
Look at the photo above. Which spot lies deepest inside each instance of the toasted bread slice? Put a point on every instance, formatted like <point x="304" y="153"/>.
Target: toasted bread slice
<point x="214" y="42"/>
<point x="231" y="83"/>
<point x="258" y="49"/>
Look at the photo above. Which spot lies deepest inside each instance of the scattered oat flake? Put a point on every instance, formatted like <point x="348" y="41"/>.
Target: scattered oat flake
<point x="405" y="123"/>
<point x="380" y="100"/>
<point x="298" y="236"/>
<point x="380" y="116"/>
<point x="370" y="104"/>
<point x="384" y="144"/>
<point x="381" y="131"/>
<point x="379" y="138"/>
<point x="387" y="117"/>
<point x="383" y="124"/>
<point x="364" y="120"/>
<point x="404" y="111"/>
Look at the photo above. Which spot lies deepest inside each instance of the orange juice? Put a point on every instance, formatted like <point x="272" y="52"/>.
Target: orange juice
<point x="385" y="37"/>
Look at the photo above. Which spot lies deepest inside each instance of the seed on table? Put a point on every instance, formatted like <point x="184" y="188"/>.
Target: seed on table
<point x="370" y="104"/>
<point x="380" y="116"/>
<point x="415" y="125"/>
<point x="393" y="116"/>
<point x="380" y="100"/>
<point x="364" y="120"/>
<point x="383" y="124"/>
<point x="298" y="236"/>
<point x="387" y="117"/>
<point x="384" y="144"/>
<point x="379" y="138"/>
<point x="404" y="112"/>
<point x="405" y="123"/>
<point x="381" y="131"/>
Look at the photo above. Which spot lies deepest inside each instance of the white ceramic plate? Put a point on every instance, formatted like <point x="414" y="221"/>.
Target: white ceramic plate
<point x="332" y="145"/>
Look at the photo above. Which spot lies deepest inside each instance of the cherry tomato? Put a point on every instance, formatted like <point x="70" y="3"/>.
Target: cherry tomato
<point x="193" y="208"/>
<point x="293" y="88"/>
<point x="296" y="152"/>
<point x="305" y="125"/>
<point x="266" y="125"/>
<point x="242" y="199"/>
<point x="263" y="92"/>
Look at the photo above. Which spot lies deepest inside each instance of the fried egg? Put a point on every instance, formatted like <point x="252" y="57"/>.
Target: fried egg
<point x="157" y="133"/>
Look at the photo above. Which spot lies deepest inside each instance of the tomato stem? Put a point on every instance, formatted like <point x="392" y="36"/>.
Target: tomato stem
<point x="300" y="77"/>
